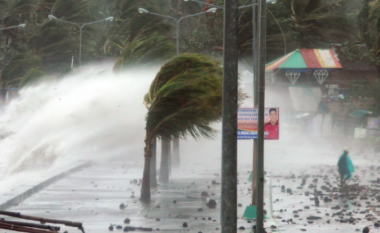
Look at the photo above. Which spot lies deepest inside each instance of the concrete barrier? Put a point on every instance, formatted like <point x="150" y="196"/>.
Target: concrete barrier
<point x="21" y="197"/>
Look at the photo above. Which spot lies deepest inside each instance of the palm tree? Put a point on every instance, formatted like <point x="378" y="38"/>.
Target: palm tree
<point x="318" y="21"/>
<point x="185" y="97"/>
<point x="145" y="50"/>
<point x="17" y="67"/>
<point x="369" y="25"/>
<point x="131" y="24"/>
<point x="305" y="23"/>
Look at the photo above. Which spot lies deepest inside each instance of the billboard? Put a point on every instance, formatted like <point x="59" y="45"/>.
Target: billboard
<point x="248" y="123"/>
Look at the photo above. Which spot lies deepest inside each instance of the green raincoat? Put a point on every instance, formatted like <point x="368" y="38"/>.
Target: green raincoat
<point x="345" y="166"/>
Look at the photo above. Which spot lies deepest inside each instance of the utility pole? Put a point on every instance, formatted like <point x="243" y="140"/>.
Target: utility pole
<point x="261" y="99"/>
<point x="229" y="127"/>
<point x="256" y="95"/>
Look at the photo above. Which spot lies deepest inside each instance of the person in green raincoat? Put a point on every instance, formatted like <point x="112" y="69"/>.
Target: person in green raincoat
<point x="345" y="167"/>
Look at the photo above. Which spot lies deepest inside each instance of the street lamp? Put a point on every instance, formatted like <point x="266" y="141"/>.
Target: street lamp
<point x="242" y="7"/>
<point x="145" y="11"/>
<point x="18" y="26"/>
<point x="52" y="17"/>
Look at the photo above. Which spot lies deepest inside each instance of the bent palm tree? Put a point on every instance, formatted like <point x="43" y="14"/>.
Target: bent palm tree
<point x="185" y="98"/>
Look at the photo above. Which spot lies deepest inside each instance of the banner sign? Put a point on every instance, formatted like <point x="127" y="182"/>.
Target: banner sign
<point x="248" y="123"/>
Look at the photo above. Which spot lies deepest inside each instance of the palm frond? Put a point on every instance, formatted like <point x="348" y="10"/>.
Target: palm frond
<point x="185" y="98"/>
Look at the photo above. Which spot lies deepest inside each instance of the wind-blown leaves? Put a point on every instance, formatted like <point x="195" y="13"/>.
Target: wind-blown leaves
<point x="145" y="50"/>
<point x="32" y="76"/>
<point x="131" y="24"/>
<point x="18" y="66"/>
<point x="185" y="98"/>
<point x="55" y="44"/>
<point x="369" y="25"/>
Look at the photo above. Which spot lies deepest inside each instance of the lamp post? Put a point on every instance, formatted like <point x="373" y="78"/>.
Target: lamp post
<point x="18" y="26"/>
<point x="253" y="16"/>
<point x="145" y="11"/>
<point x="229" y="119"/>
<point x="262" y="29"/>
<point x="80" y="31"/>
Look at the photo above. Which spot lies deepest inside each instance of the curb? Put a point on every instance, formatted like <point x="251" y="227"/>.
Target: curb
<point x="21" y="197"/>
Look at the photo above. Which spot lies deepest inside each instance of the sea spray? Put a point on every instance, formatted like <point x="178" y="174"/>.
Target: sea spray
<point x="91" y="114"/>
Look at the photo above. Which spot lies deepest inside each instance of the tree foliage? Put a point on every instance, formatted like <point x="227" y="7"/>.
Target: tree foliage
<point x="145" y="50"/>
<point x="184" y="98"/>
<point x="140" y="38"/>
<point x="369" y="24"/>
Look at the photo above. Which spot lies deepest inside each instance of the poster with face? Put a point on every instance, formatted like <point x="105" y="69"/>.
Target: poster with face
<point x="248" y="123"/>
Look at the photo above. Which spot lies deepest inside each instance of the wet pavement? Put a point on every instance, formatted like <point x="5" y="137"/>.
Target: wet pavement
<point x="295" y="208"/>
<point x="17" y="185"/>
<point x="94" y="195"/>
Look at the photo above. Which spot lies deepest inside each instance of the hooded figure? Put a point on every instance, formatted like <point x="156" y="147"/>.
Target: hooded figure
<point x="345" y="167"/>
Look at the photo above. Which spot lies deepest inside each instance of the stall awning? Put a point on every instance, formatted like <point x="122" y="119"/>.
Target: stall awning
<point x="304" y="59"/>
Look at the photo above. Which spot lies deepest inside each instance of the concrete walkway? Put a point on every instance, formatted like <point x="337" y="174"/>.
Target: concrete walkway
<point x="93" y="196"/>
<point x="16" y="189"/>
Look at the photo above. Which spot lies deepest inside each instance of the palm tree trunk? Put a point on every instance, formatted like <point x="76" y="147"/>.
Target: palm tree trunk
<point x="153" y="165"/>
<point x="176" y="155"/>
<point x="3" y="92"/>
<point x="165" y="154"/>
<point x="145" y="186"/>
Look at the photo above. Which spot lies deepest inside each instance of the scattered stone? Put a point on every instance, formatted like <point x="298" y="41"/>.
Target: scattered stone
<point x="211" y="203"/>
<point x="174" y="201"/>
<point x="184" y="224"/>
<point x="119" y="227"/>
<point x="127" y="220"/>
<point x="365" y="230"/>
<point x="110" y="228"/>
<point x="157" y="219"/>
<point x="122" y="206"/>
<point x="313" y="218"/>
<point x="241" y="228"/>
<point x="204" y="194"/>
<point x="240" y="205"/>
<point x="214" y="182"/>
<point x="200" y="209"/>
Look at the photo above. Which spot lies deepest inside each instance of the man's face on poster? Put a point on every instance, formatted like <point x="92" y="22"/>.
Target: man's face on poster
<point x="273" y="116"/>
